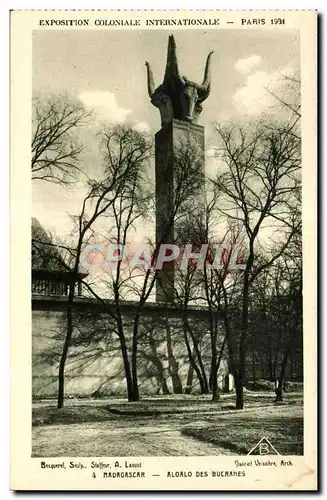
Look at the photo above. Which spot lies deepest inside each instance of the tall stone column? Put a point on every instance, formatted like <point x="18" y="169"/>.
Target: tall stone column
<point x="178" y="146"/>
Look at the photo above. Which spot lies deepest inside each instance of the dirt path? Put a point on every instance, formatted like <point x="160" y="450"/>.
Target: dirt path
<point x="147" y="436"/>
<point x="141" y="438"/>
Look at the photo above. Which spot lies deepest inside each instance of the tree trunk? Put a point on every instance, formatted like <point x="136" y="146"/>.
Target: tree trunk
<point x="193" y="362"/>
<point x="242" y="349"/>
<point x="67" y="342"/>
<point x="189" y="380"/>
<point x="126" y="362"/>
<point x="61" y="374"/>
<point x="127" y="370"/>
<point x="199" y="358"/>
<point x="173" y="365"/>
<point x="239" y="404"/>
<point x="155" y="358"/>
<point x="239" y="391"/>
<point x="291" y="368"/>
<point x="275" y="367"/>
<point x="213" y="382"/>
<point x="214" y="370"/>
<point x="204" y="385"/>
<point x="270" y="363"/>
<point x="215" y="389"/>
<point x="281" y="379"/>
<point x="254" y="372"/>
<point x="163" y="384"/>
<point x="135" y="393"/>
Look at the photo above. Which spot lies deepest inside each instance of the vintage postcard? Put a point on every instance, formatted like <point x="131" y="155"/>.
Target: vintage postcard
<point x="163" y="272"/>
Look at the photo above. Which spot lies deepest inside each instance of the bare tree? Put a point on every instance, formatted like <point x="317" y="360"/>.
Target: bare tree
<point x="275" y="322"/>
<point x="256" y="186"/>
<point x="128" y="153"/>
<point x="127" y="150"/>
<point x="132" y="282"/>
<point x="288" y="99"/>
<point x="286" y="304"/>
<point x="221" y="287"/>
<point x="55" y="149"/>
<point x="201" y="286"/>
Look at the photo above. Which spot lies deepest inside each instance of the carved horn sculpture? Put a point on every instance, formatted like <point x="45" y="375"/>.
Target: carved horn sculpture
<point x="205" y="86"/>
<point x="151" y="85"/>
<point x="177" y="97"/>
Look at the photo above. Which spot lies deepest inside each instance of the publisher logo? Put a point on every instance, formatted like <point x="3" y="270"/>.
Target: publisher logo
<point x="264" y="447"/>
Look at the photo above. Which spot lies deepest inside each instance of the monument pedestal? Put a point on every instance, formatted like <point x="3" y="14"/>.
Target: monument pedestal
<point x="179" y="149"/>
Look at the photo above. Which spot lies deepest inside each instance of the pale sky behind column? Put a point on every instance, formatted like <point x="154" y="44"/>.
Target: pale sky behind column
<point x="106" y="70"/>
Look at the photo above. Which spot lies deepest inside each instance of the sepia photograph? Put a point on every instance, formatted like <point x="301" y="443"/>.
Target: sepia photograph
<point x="166" y="247"/>
<point x="133" y="351"/>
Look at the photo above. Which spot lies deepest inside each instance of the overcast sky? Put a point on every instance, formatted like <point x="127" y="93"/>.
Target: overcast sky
<point x="105" y="69"/>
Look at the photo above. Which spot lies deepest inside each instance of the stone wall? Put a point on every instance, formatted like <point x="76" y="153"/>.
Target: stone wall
<point x="94" y="365"/>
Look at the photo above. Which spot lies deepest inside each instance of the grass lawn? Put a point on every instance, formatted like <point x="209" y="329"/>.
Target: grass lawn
<point x="165" y="427"/>
<point x="240" y="432"/>
<point x="81" y="411"/>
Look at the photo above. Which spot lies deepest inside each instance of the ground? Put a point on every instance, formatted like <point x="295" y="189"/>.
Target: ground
<point x="179" y="426"/>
